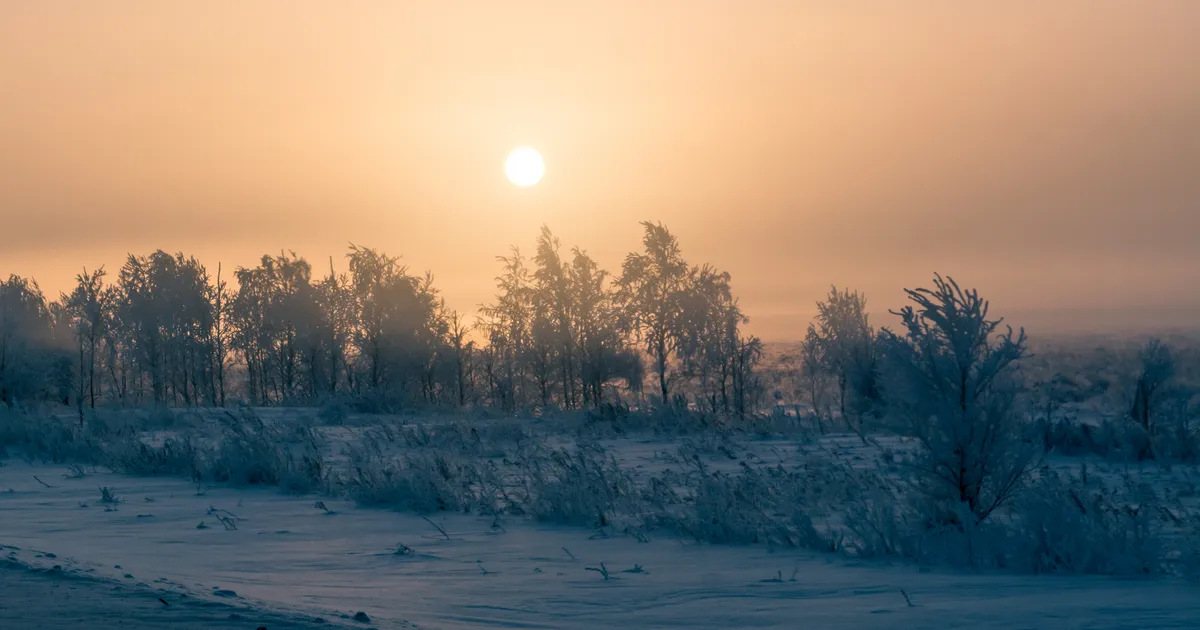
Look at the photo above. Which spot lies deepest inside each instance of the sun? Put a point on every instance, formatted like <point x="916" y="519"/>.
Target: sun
<point x="525" y="166"/>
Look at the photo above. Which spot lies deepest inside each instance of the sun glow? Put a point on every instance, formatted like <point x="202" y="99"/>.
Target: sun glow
<point x="525" y="166"/>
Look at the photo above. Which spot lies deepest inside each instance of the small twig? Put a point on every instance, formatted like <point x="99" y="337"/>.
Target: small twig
<point x="907" y="598"/>
<point x="215" y="511"/>
<point x="603" y="570"/>
<point x="439" y="528"/>
<point x="570" y="554"/>
<point x="35" y="478"/>
<point x="164" y="602"/>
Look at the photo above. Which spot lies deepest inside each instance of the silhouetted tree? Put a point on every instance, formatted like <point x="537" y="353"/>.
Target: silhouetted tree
<point x="508" y="323"/>
<point x="167" y="315"/>
<point x="845" y="342"/>
<point x="86" y="307"/>
<point x="400" y="327"/>
<point x="26" y="342"/>
<point x="651" y="288"/>
<point x="601" y="349"/>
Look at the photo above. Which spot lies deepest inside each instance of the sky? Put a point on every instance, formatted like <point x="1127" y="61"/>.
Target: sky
<point x="1043" y="152"/>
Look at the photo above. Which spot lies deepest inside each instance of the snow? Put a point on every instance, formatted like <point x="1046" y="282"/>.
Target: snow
<point x="287" y="555"/>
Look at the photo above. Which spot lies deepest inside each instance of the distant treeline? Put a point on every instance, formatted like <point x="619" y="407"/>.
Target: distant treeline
<point x="560" y="332"/>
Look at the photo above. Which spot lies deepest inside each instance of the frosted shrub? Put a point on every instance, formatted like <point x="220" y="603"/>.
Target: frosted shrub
<point x="335" y="411"/>
<point x="175" y="456"/>
<point x="47" y="438"/>
<point x="875" y="519"/>
<point x="251" y="451"/>
<point x="1118" y="440"/>
<point x="1065" y="526"/>
<point x="482" y="439"/>
<point x="950" y="383"/>
<point x="418" y="482"/>
<point x="760" y="505"/>
<point x="579" y="487"/>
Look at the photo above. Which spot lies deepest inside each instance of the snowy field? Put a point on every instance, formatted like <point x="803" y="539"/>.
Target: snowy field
<point x="316" y="553"/>
<point x="288" y="556"/>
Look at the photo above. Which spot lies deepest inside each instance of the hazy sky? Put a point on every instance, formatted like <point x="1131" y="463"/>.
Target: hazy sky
<point x="1046" y="152"/>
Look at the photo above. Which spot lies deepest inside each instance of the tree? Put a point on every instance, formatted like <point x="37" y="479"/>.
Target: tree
<point x="711" y="341"/>
<point x="554" y="306"/>
<point x="165" y="311"/>
<point x="508" y="323"/>
<point x="651" y="288"/>
<point x="745" y="385"/>
<point x="221" y="334"/>
<point x="337" y="303"/>
<point x="87" y="309"/>
<point x="26" y="342"/>
<point x="1157" y="371"/>
<point x="601" y="350"/>
<point x="952" y="384"/>
<point x="462" y="352"/>
<point x="813" y="370"/>
<point x="401" y="327"/>
<point x="844" y="340"/>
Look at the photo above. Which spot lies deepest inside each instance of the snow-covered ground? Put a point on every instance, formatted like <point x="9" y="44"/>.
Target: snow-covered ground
<point x="33" y="599"/>
<point x="289" y="556"/>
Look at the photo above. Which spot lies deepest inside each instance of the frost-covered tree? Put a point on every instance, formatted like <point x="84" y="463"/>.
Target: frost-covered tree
<point x="461" y="357"/>
<point x="164" y="307"/>
<point x="400" y="329"/>
<point x="508" y="323"/>
<point x="221" y="335"/>
<point x="336" y="301"/>
<point x="27" y="354"/>
<point x="746" y="388"/>
<point x="86" y="307"/>
<point x="602" y="352"/>
<point x="844" y="341"/>
<point x="554" y="304"/>
<point x="712" y="349"/>
<point x="813" y="372"/>
<point x="652" y="286"/>
<point x="951" y="383"/>
<point x="1157" y="371"/>
<point x="279" y="328"/>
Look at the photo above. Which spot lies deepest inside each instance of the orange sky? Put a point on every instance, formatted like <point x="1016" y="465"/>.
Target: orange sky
<point x="1046" y="152"/>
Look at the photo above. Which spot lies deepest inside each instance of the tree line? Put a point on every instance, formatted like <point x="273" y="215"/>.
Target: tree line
<point x="560" y="332"/>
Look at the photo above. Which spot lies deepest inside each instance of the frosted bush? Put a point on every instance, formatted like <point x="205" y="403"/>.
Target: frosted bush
<point x="950" y="382"/>
<point x="251" y="451"/>
<point x="579" y="487"/>
<point x="419" y="482"/>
